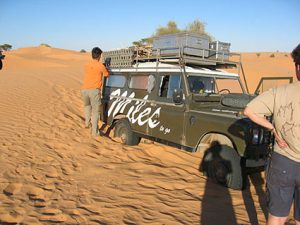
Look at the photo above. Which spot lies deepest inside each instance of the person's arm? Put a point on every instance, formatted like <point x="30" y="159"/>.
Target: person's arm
<point x="104" y="70"/>
<point x="262" y="121"/>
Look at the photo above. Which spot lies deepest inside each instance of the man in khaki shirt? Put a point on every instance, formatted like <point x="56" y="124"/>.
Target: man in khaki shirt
<point x="283" y="178"/>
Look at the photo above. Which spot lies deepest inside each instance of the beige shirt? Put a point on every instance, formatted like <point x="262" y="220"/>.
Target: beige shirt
<point x="284" y="104"/>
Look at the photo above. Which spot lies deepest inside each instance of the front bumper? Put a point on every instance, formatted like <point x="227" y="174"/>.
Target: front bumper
<point x="257" y="152"/>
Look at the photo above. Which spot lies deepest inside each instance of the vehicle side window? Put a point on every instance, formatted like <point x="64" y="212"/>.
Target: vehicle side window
<point x="151" y="83"/>
<point x="139" y="82"/>
<point x="200" y="85"/>
<point x="117" y="81"/>
<point x="168" y="84"/>
<point x="142" y="82"/>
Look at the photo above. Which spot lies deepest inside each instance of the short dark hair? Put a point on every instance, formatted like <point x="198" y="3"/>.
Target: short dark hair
<point x="296" y="55"/>
<point x="96" y="53"/>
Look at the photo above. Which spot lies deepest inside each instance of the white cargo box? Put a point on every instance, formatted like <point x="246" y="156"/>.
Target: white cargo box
<point x="190" y="44"/>
<point x="219" y="50"/>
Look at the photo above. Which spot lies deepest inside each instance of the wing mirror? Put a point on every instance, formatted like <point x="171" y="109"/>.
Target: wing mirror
<point x="178" y="96"/>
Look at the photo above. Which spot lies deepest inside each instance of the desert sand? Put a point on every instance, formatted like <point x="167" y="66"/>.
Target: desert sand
<point x="53" y="172"/>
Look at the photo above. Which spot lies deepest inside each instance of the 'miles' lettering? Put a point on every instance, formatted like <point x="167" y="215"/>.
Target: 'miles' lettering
<point x="134" y="114"/>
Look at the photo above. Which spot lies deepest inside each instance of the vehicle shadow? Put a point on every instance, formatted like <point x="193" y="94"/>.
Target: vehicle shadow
<point x="217" y="199"/>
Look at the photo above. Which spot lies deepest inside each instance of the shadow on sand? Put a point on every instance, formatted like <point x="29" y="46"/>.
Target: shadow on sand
<point x="217" y="206"/>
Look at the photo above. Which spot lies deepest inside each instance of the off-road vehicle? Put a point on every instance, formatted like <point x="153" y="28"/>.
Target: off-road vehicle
<point x="190" y="103"/>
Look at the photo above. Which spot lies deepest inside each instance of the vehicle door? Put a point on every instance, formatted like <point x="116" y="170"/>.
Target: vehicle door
<point x="113" y="85"/>
<point x="139" y="109"/>
<point x="170" y="119"/>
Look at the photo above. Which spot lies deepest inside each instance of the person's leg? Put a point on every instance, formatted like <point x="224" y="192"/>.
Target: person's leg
<point x="275" y="220"/>
<point x="297" y="202"/>
<point x="280" y="189"/>
<point x="95" y="102"/>
<point x="87" y="107"/>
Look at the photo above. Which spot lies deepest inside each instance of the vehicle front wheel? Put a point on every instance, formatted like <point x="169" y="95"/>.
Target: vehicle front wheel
<point x="222" y="164"/>
<point x="123" y="131"/>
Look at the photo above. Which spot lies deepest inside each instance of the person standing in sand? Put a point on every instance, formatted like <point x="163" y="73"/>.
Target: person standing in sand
<point x="1" y="57"/>
<point x="283" y="176"/>
<point x="91" y="89"/>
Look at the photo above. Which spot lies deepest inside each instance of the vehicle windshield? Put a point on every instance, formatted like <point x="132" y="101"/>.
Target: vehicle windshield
<point x="199" y="84"/>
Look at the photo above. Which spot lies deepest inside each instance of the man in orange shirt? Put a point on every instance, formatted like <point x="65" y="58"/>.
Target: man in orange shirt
<point x="91" y="89"/>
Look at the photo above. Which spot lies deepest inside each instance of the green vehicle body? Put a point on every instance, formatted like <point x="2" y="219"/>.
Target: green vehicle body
<point x="187" y="119"/>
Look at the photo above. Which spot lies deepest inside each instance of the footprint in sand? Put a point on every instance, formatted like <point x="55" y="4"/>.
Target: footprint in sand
<point x="20" y="211"/>
<point x="49" y="187"/>
<point x="51" y="211"/>
<point x="41" y="203"/>
<point x="52" y="172"/>
<point x="38" y="177"/>
<point x="21" y="170"/>
<point x="76" y="166"/>
<point x="37" y="195"/>
<point x="10" y="219"/>
<point x="60" y="218"/>
<point x="91" y="208"/>
<point x="12" y="189"/>
<point x="67" y="169"/>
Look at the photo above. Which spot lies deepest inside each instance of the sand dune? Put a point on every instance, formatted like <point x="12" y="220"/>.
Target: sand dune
<point x="52" y="171"/>
<point x="267" y="64"/>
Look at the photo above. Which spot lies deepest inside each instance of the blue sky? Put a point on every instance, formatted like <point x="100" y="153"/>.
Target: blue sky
<point x="249" y="25"/>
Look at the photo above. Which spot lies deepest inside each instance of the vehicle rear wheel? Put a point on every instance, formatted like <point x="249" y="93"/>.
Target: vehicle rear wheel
<point x="123" y="131"/>
<point x="222" y="164"/>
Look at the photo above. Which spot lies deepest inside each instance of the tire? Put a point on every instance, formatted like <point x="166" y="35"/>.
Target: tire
<point x="123" y="130"/>
<point x="1" y="64"/>
<point x="222" y="164"/>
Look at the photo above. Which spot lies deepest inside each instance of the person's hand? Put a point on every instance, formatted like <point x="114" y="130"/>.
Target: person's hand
<point x="280" y="141"/>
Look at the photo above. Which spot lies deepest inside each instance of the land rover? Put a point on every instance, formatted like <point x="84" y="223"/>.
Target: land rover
<point x="188" y="102"/>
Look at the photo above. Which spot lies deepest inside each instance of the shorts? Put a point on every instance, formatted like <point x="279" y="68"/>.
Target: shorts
<point x="283" y="186"/>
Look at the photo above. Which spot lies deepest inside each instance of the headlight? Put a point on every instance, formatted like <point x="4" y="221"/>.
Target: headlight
<point x="257" y="135"/>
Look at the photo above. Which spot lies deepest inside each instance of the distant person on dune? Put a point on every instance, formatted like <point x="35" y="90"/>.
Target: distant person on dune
<point x="283" y="174"/>
<point x="91" y="89"/>
<point x="1" y="57"/>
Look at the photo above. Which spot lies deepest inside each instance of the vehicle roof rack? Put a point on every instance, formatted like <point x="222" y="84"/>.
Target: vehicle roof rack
<point x="126" y="58"/>
<point x="133" y="55"/>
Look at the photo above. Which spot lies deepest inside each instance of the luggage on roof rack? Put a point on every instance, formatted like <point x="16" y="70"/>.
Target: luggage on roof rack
<point x="129" y="57"/>
<point x="191" y="44"/>
<point x="121" y="57"/>
<point x="219" y="50"/>
<point x="183" y="48"/>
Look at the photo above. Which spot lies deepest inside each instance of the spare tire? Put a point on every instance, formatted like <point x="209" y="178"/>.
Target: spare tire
<point x="236" y="100"/>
